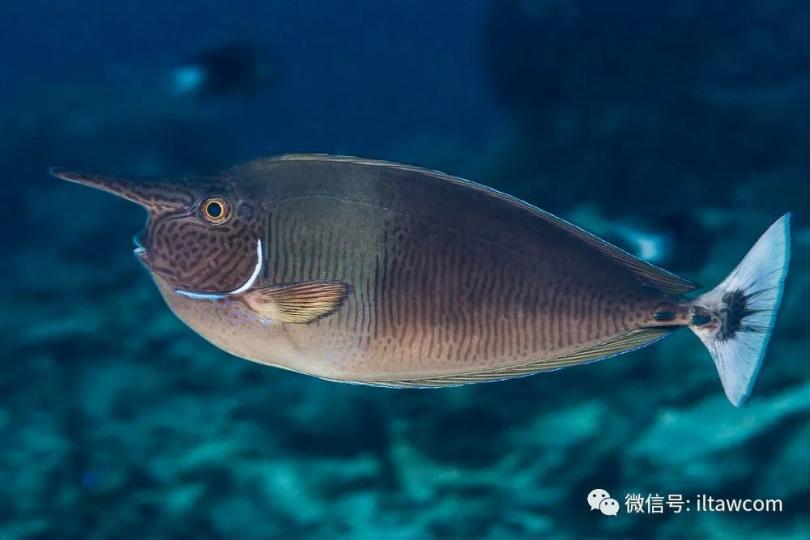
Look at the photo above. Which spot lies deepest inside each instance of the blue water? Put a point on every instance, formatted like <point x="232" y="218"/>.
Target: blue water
<point x="685" y="123"/>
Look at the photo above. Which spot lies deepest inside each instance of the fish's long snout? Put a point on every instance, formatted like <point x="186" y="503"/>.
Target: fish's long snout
<point x="117" y="186"/>
<point x="148" y="193"/>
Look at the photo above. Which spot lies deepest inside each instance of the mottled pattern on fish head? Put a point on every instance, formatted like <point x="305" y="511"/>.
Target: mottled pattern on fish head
<point x="209" y="247"/>
<point x="201" y="234"/>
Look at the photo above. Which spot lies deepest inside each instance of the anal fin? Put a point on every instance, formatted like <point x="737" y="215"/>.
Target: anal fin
<point x="630" y="341"/>
<point x="298" y="303"/>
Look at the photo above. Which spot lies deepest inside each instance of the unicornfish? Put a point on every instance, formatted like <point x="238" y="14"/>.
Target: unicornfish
<point x="378" y="273"/>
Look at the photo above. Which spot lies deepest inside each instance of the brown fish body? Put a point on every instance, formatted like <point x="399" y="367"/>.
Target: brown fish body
<point x="379" y="273"/>
<point x="447" y="278"/>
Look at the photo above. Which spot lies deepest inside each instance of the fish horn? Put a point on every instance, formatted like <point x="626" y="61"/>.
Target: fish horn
<point x="152" y="194"/>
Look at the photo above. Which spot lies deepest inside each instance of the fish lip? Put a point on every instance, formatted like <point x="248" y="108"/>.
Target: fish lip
<point x="140" y="250"/>
<point x="138" y="241"/>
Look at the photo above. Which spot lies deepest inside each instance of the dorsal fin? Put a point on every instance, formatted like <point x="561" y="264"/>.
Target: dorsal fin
<point x="645" y="272"/>
<point x="630" y="341"/>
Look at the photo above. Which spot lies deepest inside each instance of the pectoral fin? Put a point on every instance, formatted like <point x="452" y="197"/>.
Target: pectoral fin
<point x="298" y="303"/>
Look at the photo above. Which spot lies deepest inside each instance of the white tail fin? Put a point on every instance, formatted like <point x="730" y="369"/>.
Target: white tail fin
<point x="735" y="319"/>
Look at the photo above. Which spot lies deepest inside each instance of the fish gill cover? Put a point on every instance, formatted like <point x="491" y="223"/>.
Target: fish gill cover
<point x="676" y="130"/>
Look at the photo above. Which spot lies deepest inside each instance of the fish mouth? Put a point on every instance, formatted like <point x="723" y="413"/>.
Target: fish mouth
<point x="140" y="248"/>
<point x="138" y="241"/>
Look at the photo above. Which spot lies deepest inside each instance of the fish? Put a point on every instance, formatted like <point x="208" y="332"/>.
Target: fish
<point x="234" y="69"/>
<point x="378" y="273"/>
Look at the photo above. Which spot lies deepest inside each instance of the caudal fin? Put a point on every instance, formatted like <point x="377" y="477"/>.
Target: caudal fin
<point x="735" y="319"/>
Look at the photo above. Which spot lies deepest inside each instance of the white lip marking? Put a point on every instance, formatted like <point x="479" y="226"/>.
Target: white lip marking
<point x="245" y="286"/>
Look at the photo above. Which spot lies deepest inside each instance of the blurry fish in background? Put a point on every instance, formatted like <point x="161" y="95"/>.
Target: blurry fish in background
<point x="237" y="69"/>
<point x="132" y="124"/>
<point x="134" y="118"/>
<point x="648" y="245"/>
<point x="677" y="240"/>
<point x="640" y="239"/>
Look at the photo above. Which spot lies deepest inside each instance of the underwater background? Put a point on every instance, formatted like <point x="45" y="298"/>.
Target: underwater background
<point x="678" y="130"/>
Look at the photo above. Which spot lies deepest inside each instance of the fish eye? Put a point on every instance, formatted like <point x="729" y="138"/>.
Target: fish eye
<point x="215" y="210"/>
